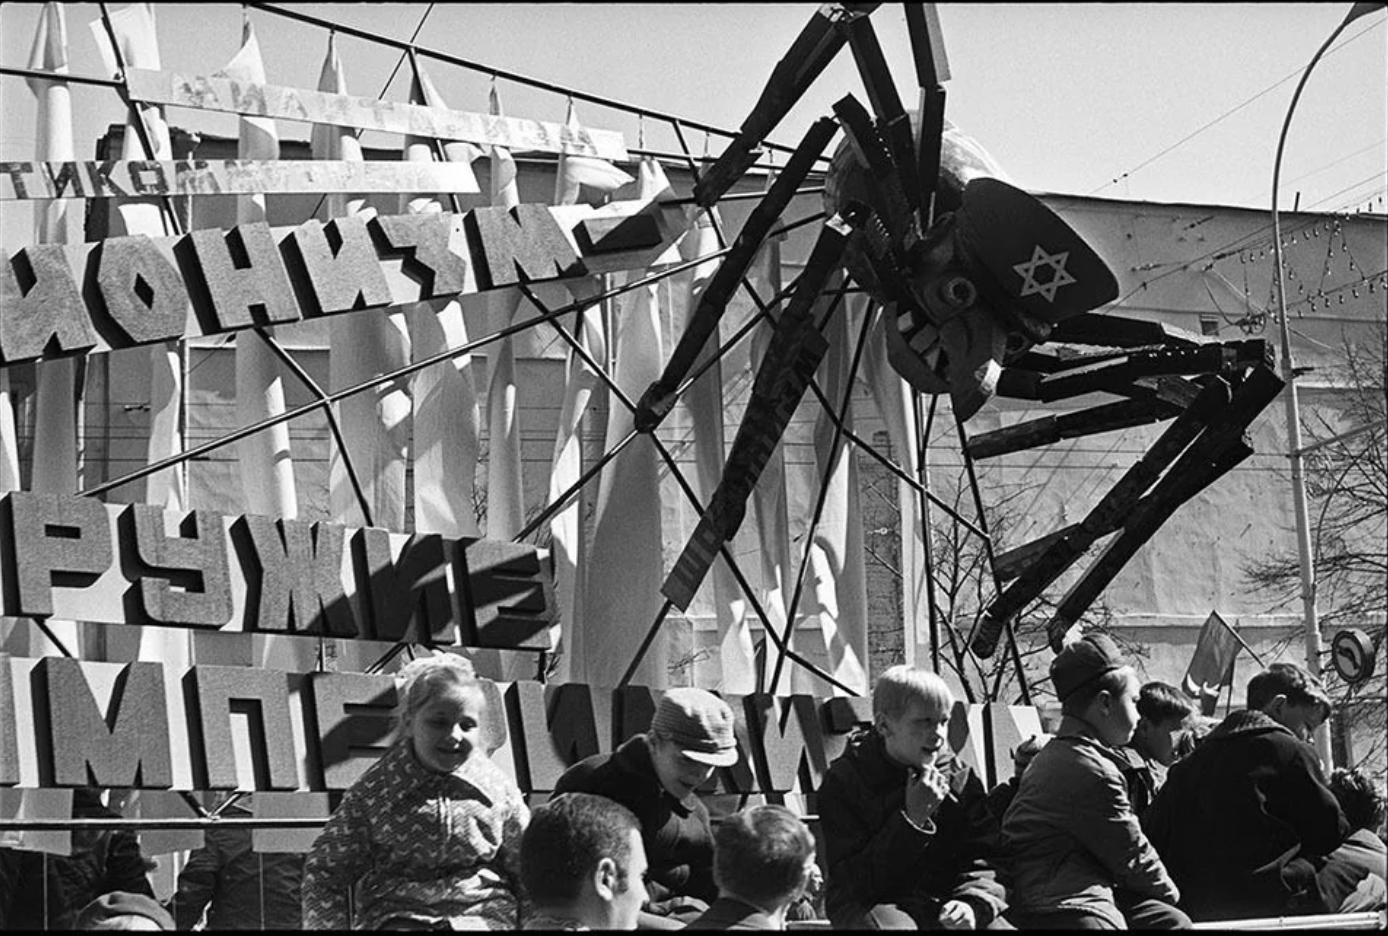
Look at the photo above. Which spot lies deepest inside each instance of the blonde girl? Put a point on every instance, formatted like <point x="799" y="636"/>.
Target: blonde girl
<point x="428" y="837"/>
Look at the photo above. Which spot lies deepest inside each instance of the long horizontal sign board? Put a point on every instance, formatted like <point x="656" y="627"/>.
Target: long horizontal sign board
<point x="67" y="723"/>
<point x="77" y="559"/>
<point x="154" y="725"/>
<point x="58" y="300"/>
<point x="140" y="178"/>
<point x="344" y="110"/>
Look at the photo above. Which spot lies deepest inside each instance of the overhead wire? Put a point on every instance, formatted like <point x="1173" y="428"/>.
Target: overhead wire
<point x="1330" y="165"/>
<point x="1229" y="113"/>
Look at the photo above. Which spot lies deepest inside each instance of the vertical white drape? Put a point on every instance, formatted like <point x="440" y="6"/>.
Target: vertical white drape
<point x="136" y="36"/>
<point x="836" y="585"/>
<point x="505" y="482"/>
<point x="580" y="381"/>
<point x="265" y="464"/>
<point x="376" y="422"/>
<point x="626" y="559"/>
<point x="704" y="401"/>
<point x="445" y="396"/>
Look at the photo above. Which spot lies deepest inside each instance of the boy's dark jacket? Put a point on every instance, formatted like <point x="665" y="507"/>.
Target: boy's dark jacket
<point x="876" y="855"/>
<point x="677" y="834"/>
<point x="1243" y="822"/>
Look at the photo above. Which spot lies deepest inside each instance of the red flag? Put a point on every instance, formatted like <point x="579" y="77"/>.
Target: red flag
<point x="1211" y="669"/>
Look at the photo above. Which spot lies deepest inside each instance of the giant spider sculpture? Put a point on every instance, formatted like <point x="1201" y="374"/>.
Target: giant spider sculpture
<point x="991" y="294"/>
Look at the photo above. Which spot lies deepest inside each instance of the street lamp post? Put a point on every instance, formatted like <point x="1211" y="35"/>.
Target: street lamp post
<point x="1303" y="528"/>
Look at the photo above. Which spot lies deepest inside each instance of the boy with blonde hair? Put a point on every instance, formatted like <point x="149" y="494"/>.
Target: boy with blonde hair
<point x="908" y="836"/>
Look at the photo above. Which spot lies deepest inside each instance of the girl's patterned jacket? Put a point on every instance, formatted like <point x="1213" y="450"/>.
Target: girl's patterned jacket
<point x="437" y="848"/>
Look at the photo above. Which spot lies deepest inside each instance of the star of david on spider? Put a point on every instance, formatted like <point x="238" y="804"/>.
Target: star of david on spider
<point x="1039" y="258"/>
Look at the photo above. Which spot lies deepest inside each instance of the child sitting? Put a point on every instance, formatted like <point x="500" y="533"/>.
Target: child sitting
<point x="907" y="831"/>
<point x="429" y="836"/>
<point x="1079" y="857"/>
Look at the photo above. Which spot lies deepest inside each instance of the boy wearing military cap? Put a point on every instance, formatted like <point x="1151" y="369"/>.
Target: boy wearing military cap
<point x="1079" y="857"/>
<point x="655" y="775"/>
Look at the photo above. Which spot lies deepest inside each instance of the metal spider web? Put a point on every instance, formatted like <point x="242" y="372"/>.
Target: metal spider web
<point x="767" y="310"/>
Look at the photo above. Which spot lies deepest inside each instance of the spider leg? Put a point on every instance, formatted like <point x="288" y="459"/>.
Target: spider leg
<point x="785" y="372"/>
<point x="808" y="56"/>
<point x="655" y="404"/>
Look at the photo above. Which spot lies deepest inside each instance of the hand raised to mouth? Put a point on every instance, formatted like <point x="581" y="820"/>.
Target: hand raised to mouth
<point x="926" y="788"/>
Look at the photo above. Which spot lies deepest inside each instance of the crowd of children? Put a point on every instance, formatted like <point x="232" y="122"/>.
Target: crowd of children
<point x="1133" y="814"/>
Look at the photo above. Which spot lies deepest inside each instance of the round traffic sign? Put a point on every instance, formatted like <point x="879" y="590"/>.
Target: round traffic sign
<point x="1352" y="654"/>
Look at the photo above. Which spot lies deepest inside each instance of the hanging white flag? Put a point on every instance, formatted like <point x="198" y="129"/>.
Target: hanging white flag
<point x="836" y="582"/>
<point x="54" y="468"/>
<point x="9" y="439"/>
<point x="445" y="396"/>
<point x="769" y="496"/>
<point x="704" y="401"/>
<point x="264" y="460"/>
<point x="576" y="171"/>
<point x="580" y="381"/>
<point x="55" y="418"/>
<point x="620" y="602"/>
<point x="134" y="29"/>
<point x="375" y="423"/>
<point x="505" y="482"/>
<point x="54" y="465"/>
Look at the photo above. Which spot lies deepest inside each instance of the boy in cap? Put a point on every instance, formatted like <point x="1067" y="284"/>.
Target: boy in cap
<point x="907" y="833"/>
<point x="1079" y="857"/>
<point x="655" y="775"/>
<point x="1246" y="821"/>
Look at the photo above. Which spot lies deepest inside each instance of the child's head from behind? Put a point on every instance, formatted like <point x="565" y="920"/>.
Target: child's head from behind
<point x="441" y="710"/>
<point x="911" y="709"/>
<point x="1163" y="714"/>
<point x="1360" y="799"/>
<point x="1096" y="685"/>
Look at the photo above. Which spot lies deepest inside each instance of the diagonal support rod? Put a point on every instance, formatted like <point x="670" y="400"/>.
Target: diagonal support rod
<point x="822" y="499"/>
<point x="391" y="377"/>
<point x="678" y="475"/>
<point x="333" y="425"/>
<point x="992" y="569"/>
